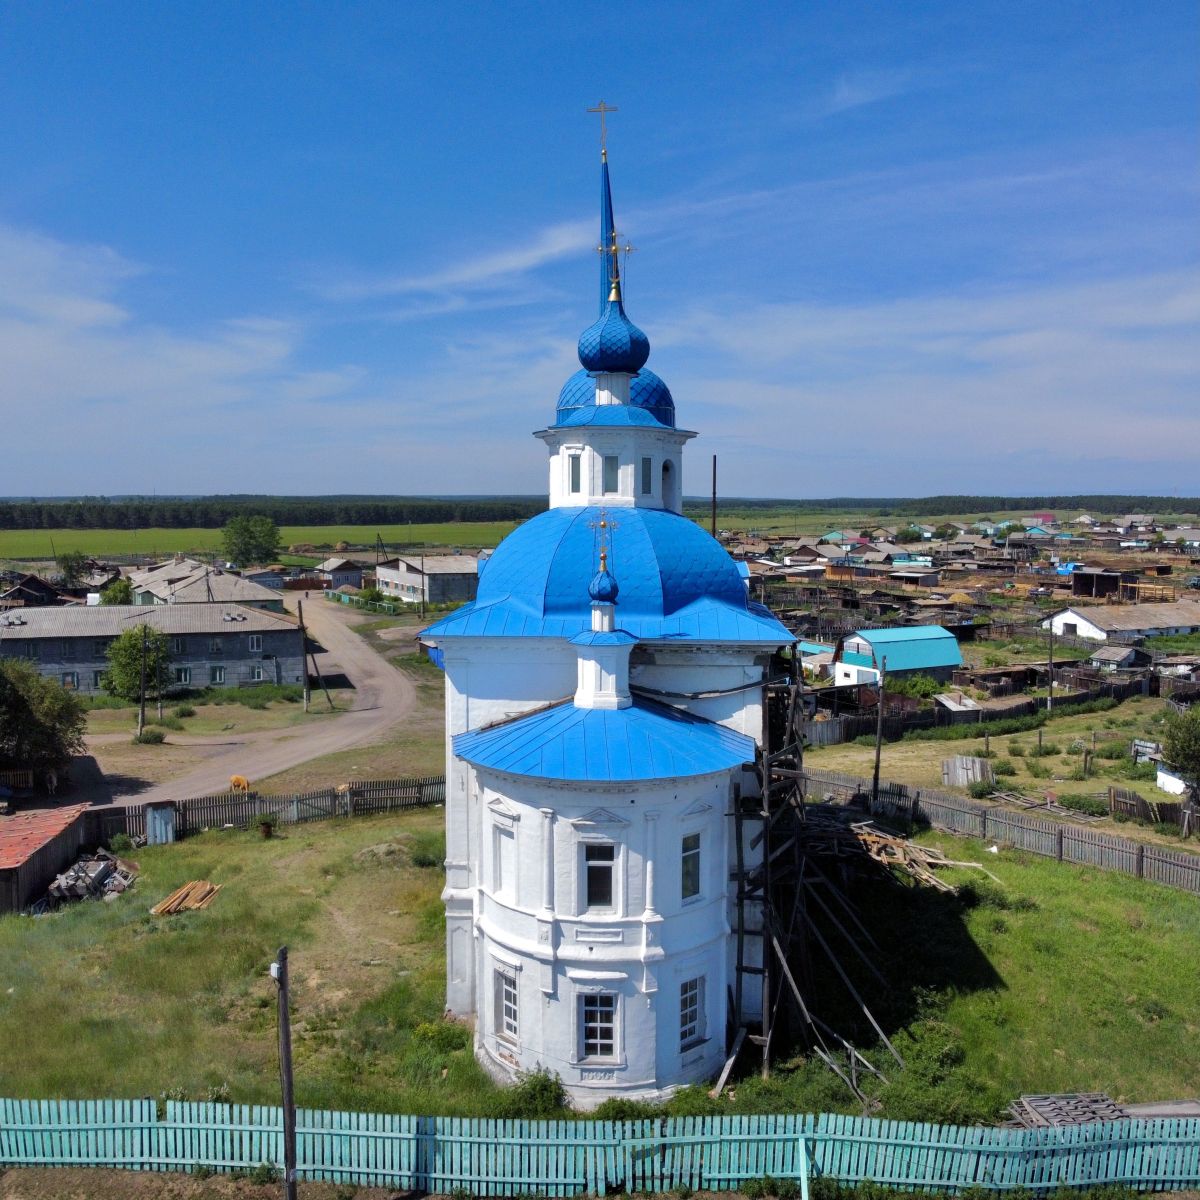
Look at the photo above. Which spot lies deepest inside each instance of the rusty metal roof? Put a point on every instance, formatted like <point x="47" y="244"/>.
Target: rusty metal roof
<point x="25" y="834"/>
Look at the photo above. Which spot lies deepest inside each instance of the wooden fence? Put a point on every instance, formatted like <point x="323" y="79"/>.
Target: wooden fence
<point x="569" y="1158"/>
<point x="1050" y="839"/>
<point x="242" y="808"/>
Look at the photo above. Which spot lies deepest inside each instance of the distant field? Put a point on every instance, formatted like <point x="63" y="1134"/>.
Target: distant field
<point x="46" y="543"/>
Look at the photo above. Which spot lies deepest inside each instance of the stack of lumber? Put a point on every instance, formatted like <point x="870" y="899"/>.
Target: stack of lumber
<point x="197" y="894"/>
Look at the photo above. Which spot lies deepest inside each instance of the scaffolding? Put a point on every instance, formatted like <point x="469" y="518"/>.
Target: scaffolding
<point x="790" y="874"/>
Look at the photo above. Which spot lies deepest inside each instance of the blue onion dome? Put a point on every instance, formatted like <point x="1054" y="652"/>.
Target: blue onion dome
<point x="603" y="588"/>
<point x="614" y="342"/>
<point x="646" y="391"/>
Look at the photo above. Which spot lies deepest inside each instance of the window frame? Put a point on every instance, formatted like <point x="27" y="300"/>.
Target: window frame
<point x="647" y="476"/>
<point x="574" y="474"/>
<point x="504" y="851"/>
<point x="216" y="673"/>
<point x="692" y="1031"/>
<point x="504" y="980"/>
<point x="598" y="848"/>
<point x="183" y="675"/>
<point x="254" y="643"/>
<point x="597" y="1002"/>
<point x="69" y="680"/>
<point x="177" y="644"/>
<point x="610" y="463"/>
<point x="256" y="673"/>
<point x="691" y="866"/>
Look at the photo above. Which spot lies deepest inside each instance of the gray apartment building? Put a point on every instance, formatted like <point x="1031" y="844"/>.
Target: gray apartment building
<point x="436" y="578"/>
<point x="219" y="645"/>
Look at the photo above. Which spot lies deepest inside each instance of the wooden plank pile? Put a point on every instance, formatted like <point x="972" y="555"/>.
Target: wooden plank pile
<point x="199" y="893"/>
<point x="827" y="832"/>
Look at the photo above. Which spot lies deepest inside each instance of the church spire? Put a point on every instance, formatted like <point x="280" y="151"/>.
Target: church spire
<point x="608" y="234"/>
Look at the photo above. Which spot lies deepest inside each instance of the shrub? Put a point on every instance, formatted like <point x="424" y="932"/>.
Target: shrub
<point x="980" y="789"/>
<point x="1016" y="749"/>
<point x="428" y="849"/>
<point x="693" y="1101"/>
<point x="264" y="1173"/>
<point x="617" y="1108"/>
<point x="445" y="1036"/>
<point x="184" y="710"/>
<point x="537" y="1096"/>
<point x="1114" y="751"/>
<point x="1078" y="774"/>
<point x="266" y="818"/>
<point x="150" y="737"/>
<point x="1085" y="804"/>
<point x="166" y="723"/>
<point x="865" y="739"/>
<point x="1046" y="750"/>
<point x="120" y="843"/>
<point x="1003" y="767"/>
<point x="1037" y="770"/>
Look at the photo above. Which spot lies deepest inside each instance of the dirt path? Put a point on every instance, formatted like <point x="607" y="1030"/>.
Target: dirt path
<point x="383" y="696"/>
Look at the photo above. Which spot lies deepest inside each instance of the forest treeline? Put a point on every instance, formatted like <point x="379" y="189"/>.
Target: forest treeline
<point x="212" y="512"/>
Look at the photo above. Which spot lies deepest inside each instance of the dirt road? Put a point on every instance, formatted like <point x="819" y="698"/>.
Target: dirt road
<point x="383" y="696"/>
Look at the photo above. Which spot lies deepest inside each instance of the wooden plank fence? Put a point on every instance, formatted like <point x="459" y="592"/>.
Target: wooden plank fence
<point x="240" y="809"/>
<point x="574" y="1157"/>
<point x="1037" y="835"/>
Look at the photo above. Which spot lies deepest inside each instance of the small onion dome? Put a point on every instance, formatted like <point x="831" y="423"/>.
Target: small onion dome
<point x="613" y="343"/>
<point x="603" y="588"/>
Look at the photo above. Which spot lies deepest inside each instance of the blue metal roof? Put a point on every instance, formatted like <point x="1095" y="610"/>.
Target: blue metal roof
<point x="586" y="745"/>
<point x="593" y="637"/>
<point x="646" y="391"/>
<point x="676" y="582"/>
<point x="613" y="342"/>
<point x="912" y="648"/>
<point x="608" y="414"/>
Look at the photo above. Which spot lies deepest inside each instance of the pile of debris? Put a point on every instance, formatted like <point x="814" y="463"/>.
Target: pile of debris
<point x="829" y="831"/>
<point x="197" y="894"/>
<point x="99" y="876"/>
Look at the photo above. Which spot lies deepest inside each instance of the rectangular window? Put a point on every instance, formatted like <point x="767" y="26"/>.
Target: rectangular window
<point x="610" y="474"/>
<point x="256" y="674"/>
<point x="504" y="861"/>
<point x="647" y="476"/>
<point x="70" y="680"/>
<point x="214" y="645"/>
<point x="691" y="1013"/>
<point x="599" y="861"/>
<point x="598" y="1019"/>
<point x="575" y="470"/>
<point x="216" y="674"/>
<point x="100" y="647"/>
<point x="506" y="1006"/>
<point x="177" y="645"/>
<point x="97" y="680"/>
<point x="255" y="643"/>
<point x="66" y="648"/>
<point x="690" y="866"/>
<point x="183" y="674"/>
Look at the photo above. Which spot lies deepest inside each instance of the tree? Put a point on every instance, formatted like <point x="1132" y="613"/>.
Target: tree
<point x="124" y="675"/>
<point x="250" y="540"/>
<point x="120" y="591"/>
<point x="72" y="566"/>
<point x="1181" y="746"/>
<point x="910" y="533"/>
<point x="41" y="723"/>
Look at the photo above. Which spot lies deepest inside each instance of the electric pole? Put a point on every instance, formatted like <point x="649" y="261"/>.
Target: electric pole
<point x="142" y="688"/>
<point x="878" y="737"/>
<point x="303" y="654"/>
<point x="279" y="972"/>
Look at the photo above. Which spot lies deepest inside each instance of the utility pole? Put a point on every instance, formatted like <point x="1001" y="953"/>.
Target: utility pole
<point x="1050" y="680"/>
<point x="424" y="581"/>
<point x="279" y="973"/>
<point x="713" y="527"/>
<point x="142" y="688"/>
<point x="878" y="737"/>
<point x="303" y="654"/>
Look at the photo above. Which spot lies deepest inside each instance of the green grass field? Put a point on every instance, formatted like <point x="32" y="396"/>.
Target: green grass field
<point x="34" y="544"/>
<point x="984" y="999"/>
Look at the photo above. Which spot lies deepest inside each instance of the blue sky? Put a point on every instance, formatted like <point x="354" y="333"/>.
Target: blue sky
<point x="882" y="248"/>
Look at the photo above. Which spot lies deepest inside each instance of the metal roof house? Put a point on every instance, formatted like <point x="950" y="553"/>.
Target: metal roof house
<point x="909" y="650"/>
<point x="1126" y="621"/>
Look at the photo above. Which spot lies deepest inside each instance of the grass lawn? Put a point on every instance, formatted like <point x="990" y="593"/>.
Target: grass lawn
<point x="36" y="543"/>
<point x="104" y="999"/>
<point x="219" y="718"/>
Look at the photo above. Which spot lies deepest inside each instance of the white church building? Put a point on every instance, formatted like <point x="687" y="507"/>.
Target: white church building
<point x="603" y="702"/>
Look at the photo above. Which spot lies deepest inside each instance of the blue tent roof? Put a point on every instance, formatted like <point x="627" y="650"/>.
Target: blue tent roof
<point x="913" y="648"/>
<point x="676" y="581"/>
<point x="586" y="745"/>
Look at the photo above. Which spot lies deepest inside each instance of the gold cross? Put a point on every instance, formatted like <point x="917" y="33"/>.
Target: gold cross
<point x="603" y="109"/>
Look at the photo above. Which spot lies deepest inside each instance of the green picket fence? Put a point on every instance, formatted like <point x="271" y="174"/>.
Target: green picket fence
<point x="569" y="1158"/>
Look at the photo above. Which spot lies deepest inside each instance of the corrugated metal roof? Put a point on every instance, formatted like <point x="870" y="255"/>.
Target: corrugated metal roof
<point x="440" y="564"/>
<point x="1139" y="616"/>
<point x="911" y="648"/>
<point x="111" y="620"/>
<point x="586" y="745"/>
<point x="25" y="834"/>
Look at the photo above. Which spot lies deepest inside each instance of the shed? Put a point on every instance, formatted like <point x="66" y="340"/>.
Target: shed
<point x="34" y="848"/>
<point x="909" y="650"/>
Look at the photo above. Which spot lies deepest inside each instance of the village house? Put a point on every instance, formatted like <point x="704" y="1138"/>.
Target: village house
<point x="909" y="650"/>
<point x="32" y="591"/>
<point x="220" y="645"/>
<point x="1102" y="622"/>
<point x="432" y="578"/>
<point x="335" y="573"/>
<point x="186" y="581"/>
